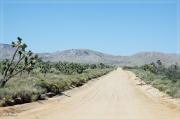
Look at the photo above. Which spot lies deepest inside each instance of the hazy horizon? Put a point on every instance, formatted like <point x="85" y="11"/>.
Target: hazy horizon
<point x="100" y="52"/>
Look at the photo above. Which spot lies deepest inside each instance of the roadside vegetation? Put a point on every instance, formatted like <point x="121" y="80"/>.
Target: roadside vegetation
<point x="30" y="79"/>
<point x="166" y="79"/>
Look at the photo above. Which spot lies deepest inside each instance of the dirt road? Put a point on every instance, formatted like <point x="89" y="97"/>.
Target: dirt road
<point x="113" y="96"/>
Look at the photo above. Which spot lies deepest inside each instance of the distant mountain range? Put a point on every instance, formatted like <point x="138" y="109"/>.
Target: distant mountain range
<point x="89" y="56"/>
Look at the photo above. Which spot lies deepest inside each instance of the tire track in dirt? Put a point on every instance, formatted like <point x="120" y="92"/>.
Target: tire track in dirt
<point x="113" y="96"/>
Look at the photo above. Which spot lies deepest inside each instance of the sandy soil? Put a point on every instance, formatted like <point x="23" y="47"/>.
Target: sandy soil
<point x="117" y="95"/>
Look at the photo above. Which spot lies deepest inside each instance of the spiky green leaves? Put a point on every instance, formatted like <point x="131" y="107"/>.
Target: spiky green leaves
<point x="20" y="52"/>
<point x="19" y="40"/>
<point x="36" y="57"/>
<point x="6" y="67"/>
<point x="29" y="53"/>
<point x="13" y="44"/>
<point x="10" y="66"/>
<point x="25" y="60"/>
<point x="23" y="47"/>
<point x="45" y="67"/>
<point x="69" y="68"/>
<point x="5" y="64"/>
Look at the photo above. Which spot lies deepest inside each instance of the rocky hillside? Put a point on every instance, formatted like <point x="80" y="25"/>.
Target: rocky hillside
<point x="6" y="51"/>
<point x="89" y="56"/>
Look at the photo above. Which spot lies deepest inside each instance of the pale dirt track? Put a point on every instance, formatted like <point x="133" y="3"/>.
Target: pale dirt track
<point x="113" y="96"/>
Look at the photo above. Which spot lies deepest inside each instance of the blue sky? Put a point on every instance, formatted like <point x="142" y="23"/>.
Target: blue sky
<point x="117" y="27"/>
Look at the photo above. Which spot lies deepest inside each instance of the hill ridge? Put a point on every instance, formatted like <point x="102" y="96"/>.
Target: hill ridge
<point x="89" y="56"/>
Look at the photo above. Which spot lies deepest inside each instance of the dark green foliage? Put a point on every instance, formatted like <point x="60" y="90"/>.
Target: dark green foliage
<point x="101" y="65"/>
<point x="69" y="68"/>
<point x="34" y="89"/>
<point x="93" y="66"/>
<point x="86" y="66"/>
<point x="165" y="79"/>
<point x="45" y="67"/>
<point x="172" y="72"/>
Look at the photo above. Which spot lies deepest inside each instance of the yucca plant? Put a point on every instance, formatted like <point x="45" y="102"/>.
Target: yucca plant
<point x="11" y="68"/>
<point x="45" y="67"/>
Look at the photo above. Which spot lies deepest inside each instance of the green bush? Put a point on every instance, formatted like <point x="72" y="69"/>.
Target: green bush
<point x="30" y="88"/>
<point x="161" y="87"/>
<point x="166" y="84"/>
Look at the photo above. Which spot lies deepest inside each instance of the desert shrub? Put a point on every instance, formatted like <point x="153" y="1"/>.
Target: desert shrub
<point x="93" y="66"/>
<point x="67" y="83"/>
<point x="34" y="97"/>
<point x="61" y="86"/>
<point x="55" y="89"/>
<point x="177" y="94"/>
<point x="8" y="97"/>
<point x="177" y="84"/>
<point x="85" y="77"/>
<point x="173" y="91"/>
<point x="161" y="87"/>
<point x="30" y="89"/>
<point x="162" y="81"/>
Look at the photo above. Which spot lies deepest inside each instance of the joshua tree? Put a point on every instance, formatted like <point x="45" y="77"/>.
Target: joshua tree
<point x="93" y="66"/>
<point x="159" y="62"/>
<point x="101" y="65"/>
<point x="69" y="68"/>
<point x="79" y="68"/>
<point x="11" y="68"/>
<point x="45" y="67"/>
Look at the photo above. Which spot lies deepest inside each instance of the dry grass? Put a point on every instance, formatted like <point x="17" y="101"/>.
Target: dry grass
<point x="30" y="87"/>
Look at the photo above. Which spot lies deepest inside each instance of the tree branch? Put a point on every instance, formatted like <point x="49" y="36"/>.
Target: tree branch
<point x="17" y="63"/>
<point x="14" y="74"/>
<point x="5" y="73"/>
